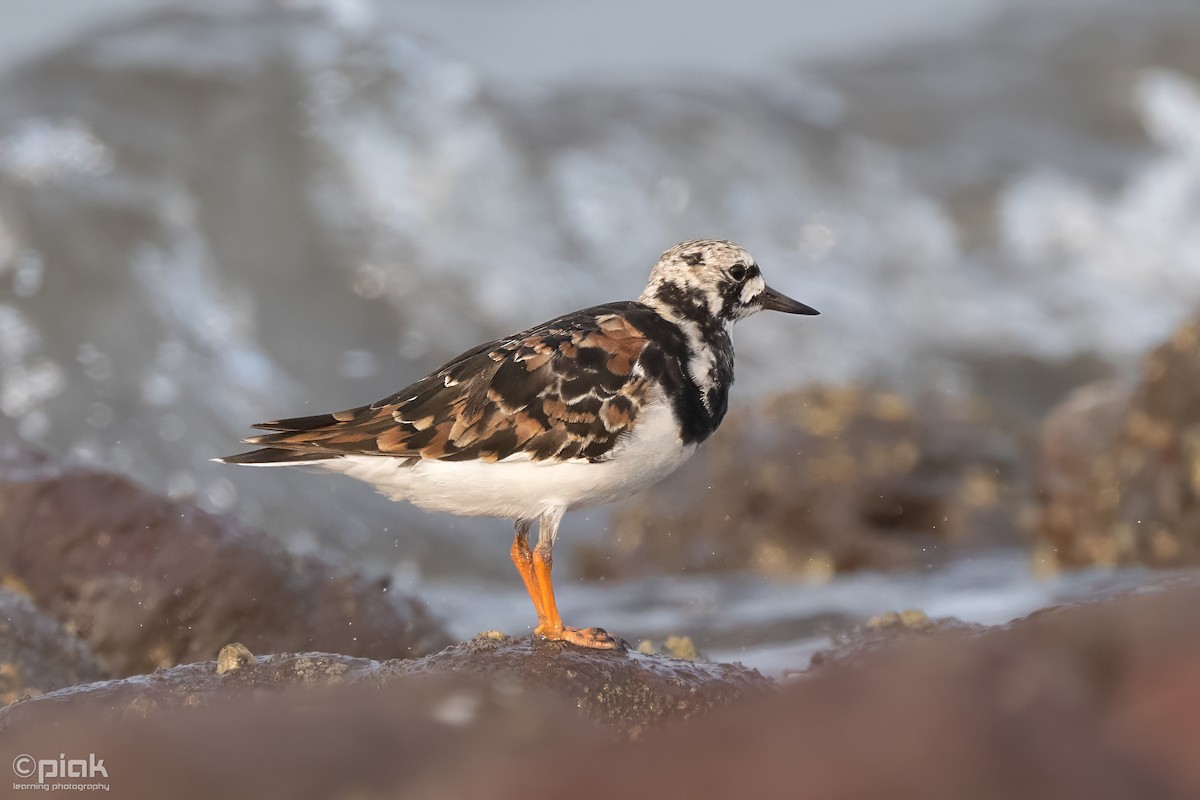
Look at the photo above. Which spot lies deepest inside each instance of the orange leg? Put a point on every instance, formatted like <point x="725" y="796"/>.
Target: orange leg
<point x="535" y="571"/>
<point x="522" y="557"/>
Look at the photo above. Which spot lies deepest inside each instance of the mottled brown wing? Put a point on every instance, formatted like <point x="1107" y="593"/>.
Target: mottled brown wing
<point x="569" y="389"/>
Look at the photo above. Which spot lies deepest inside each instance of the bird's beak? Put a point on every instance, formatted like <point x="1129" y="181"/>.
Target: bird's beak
<point x="774" y="301"/>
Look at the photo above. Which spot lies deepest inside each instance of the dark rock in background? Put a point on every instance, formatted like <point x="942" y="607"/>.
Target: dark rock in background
<point x="827" y="480"/>
<point x="37" y="654"/>
<point x="630" y="692"/>
<point x="148" y="582"/>
<point x="886" y="631"/>
<point x="1120" y="466"/>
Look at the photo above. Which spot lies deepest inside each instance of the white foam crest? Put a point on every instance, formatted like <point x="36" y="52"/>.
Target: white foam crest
<point x="40" y="150"/>
<point x="1113" y="272"/>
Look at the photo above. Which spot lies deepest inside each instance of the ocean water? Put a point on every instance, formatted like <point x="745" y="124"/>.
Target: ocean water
<point x="773" y="624"/>
<point x="213" y="215"/>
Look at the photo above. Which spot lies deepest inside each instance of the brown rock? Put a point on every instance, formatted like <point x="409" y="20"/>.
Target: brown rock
<point x="150" y="582"/>
<point x="406" y="740"/>
<point x="37" y="654"/>
<point x="886" y="631"/>
<point x="1119" y="474"/>
<point x="1097" y="702"/>
<point x="629" y="691"/>
<point x="1078" y="703"/>
<point x="826" y="480"/>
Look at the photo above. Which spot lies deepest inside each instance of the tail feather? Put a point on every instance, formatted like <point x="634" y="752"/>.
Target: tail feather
<point x="310" y="423"/>
<point x="268" y="456"/>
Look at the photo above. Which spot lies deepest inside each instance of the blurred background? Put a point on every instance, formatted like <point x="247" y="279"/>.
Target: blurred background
<point x="214" y="214"/>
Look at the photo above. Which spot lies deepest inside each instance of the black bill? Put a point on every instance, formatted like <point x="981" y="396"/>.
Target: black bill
<point x="774" y="301"/>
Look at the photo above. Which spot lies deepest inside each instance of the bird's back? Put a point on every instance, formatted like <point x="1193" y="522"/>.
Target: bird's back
<point x="570" y="388"/>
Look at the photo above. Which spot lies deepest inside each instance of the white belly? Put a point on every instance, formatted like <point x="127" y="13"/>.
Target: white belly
<point x="525" y="489"/>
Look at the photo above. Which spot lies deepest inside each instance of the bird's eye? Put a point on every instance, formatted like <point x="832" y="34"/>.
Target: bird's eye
<point x="738" y="272"/>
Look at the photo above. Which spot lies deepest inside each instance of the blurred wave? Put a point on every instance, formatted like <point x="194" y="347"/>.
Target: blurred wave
<point x="215" y="215"/>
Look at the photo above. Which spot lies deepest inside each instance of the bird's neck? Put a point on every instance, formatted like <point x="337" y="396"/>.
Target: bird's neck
<point x="708" y="362"/>
<point x="683" y="304"/>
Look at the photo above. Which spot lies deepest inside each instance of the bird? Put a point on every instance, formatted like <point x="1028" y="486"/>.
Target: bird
<point x="585" y="409"/>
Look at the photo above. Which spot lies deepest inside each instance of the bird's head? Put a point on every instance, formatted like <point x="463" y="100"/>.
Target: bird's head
<point x="708" y="280"/>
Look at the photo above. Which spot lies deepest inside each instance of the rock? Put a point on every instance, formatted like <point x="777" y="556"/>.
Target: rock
<point x="673" y="645"/>
<point x="233" y="657"/>
<point x="404" y="740"/>
<point x="1098" y="702"/>
<point x="37" y="655"/>
<point x="148" y="582"/>
<point x="826" y="480"/>
<point x="630" y="692"/>
<point x="886" y="631"/>
<point x="1095" y="702"/>
<point x="1119" y="473"/>
<point x="187" y="686"/>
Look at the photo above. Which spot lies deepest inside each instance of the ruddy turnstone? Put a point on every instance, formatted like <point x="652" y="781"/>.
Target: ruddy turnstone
<point x="584" y="409"/>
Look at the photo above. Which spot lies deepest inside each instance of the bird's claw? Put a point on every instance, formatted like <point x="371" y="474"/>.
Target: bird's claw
<point x="593" y="638"/>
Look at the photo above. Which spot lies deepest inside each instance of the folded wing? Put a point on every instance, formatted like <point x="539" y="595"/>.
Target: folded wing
<point x="569" y="389"/>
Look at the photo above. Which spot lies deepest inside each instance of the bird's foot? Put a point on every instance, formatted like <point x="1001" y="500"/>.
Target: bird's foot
<point x="595" y="638"/>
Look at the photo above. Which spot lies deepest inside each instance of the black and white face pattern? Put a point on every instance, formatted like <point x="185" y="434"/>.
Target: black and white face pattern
<point x="705" y="281"/>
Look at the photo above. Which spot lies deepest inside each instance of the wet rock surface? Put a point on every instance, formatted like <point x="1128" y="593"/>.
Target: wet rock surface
<point x="628" y="691"/>
<point x="1120" y="466"/>
<point x="887" y="631"/>
<point x="149" y="582"/>
<point x="1088" y="702"/>
<point x="38" y="655"/>
<point x="826" y="480"/>
<point x="406" y="740"/>
<point x="1096" y="701"/>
